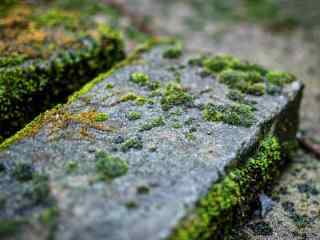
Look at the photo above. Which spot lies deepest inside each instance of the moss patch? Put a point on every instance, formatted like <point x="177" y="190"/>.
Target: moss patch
<point x="140" y="78"/>
<point x="153" y="123"/>
<point x="109" y="167"/>
<point x="134" y="115"/>
<point x="239" y="115"/>
<point x="174" y="94"/>
<point x="132" y="143"/>
<point x="173" y="52"/>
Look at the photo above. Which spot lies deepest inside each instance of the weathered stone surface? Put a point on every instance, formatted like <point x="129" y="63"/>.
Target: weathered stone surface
<point x="164" y="155"/>
<point x="48" y="49"/>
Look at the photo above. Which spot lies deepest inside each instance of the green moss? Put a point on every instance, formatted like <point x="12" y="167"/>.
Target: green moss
<point x="140" y="78"/>
<point x="153" y="123"/>
<point x="9" y="227"/>
<point x="131" y="205"/>
<point x="71" y="166"/>
<point x="247" y="82"/>
<point x="23" y="172"/>
<point x="40" y="188"/>
<point x="49" y="216"/>
<point x="280" y="78"/>
<point x="176" y="125"/>
<point x="173" y="52"/>
<point x="134" y="115"/>
<point x="109" y="167"/>
<point x="226" y="200"/>
<point x="143" y="189"/>
<point x="174" y="94"/>
<point x="190" y="136"/>
<point x="219" y="63"/>
<point x="57" y="17"/>
<point x="132" y="143"/>
<point x="139" y="100"/>
<point x="109" y="86"/>
<point x="101" y="117"/>
<point x="239" y="115"/>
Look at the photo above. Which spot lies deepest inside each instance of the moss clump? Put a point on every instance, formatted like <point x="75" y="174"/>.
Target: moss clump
<point x="226" y="200"/>
<point x="71" y="166"/>
<point x="174" y="94"/>
<point x="239" y="115"/>
<point x="9" y="227"/>
<point x="280" y="78"/>
<point x="49" y="216"/>
<point x="176" y="125"/>
<point x="153" y="123"/>
<point x="101" y="117"/>
<point x="132" y="143"/>
<point x="143" y="189"/>
<point x="109" y="167"/>
<point x="173" y="52"/>
<point x="140" y="78"/>
<point x="247" y="82"/>
<point x="134" y="115"/>
<point x="23" y="172"/>
<point x="219" y="63"/>
<point x="40" y="188"/>
<point x="109" y="86"/>
<point x="137" y="99"/>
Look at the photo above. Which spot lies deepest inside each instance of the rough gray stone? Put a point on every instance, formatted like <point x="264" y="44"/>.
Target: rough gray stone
<point x="166" y="176"/>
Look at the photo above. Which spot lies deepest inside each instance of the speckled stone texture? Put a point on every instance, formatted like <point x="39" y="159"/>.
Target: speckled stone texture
<point x="168" y="172"/>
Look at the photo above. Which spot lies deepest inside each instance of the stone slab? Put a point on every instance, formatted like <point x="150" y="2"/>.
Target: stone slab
<point x="163" y="154"/>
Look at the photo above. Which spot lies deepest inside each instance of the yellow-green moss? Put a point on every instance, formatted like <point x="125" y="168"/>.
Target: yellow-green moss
<point x="280" y="78"/>
<point x="133" y="115"/>
<point x="140" y="78"/>
<point x="227" y="199"/>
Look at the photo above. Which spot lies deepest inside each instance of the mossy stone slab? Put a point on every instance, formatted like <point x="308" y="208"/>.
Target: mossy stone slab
<point x="48" y="49"/>
<point x="168" y="162"/>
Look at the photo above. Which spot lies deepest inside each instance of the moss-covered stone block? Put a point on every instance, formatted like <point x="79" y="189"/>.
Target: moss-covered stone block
<point x="183" y="163"/>
<point x="49" y="49"/>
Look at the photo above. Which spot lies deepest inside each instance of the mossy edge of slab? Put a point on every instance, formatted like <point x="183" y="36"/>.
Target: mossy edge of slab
<point x="30" y="85"/>
<point x="228" y="201"/>
<point x="32" y="127"/>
